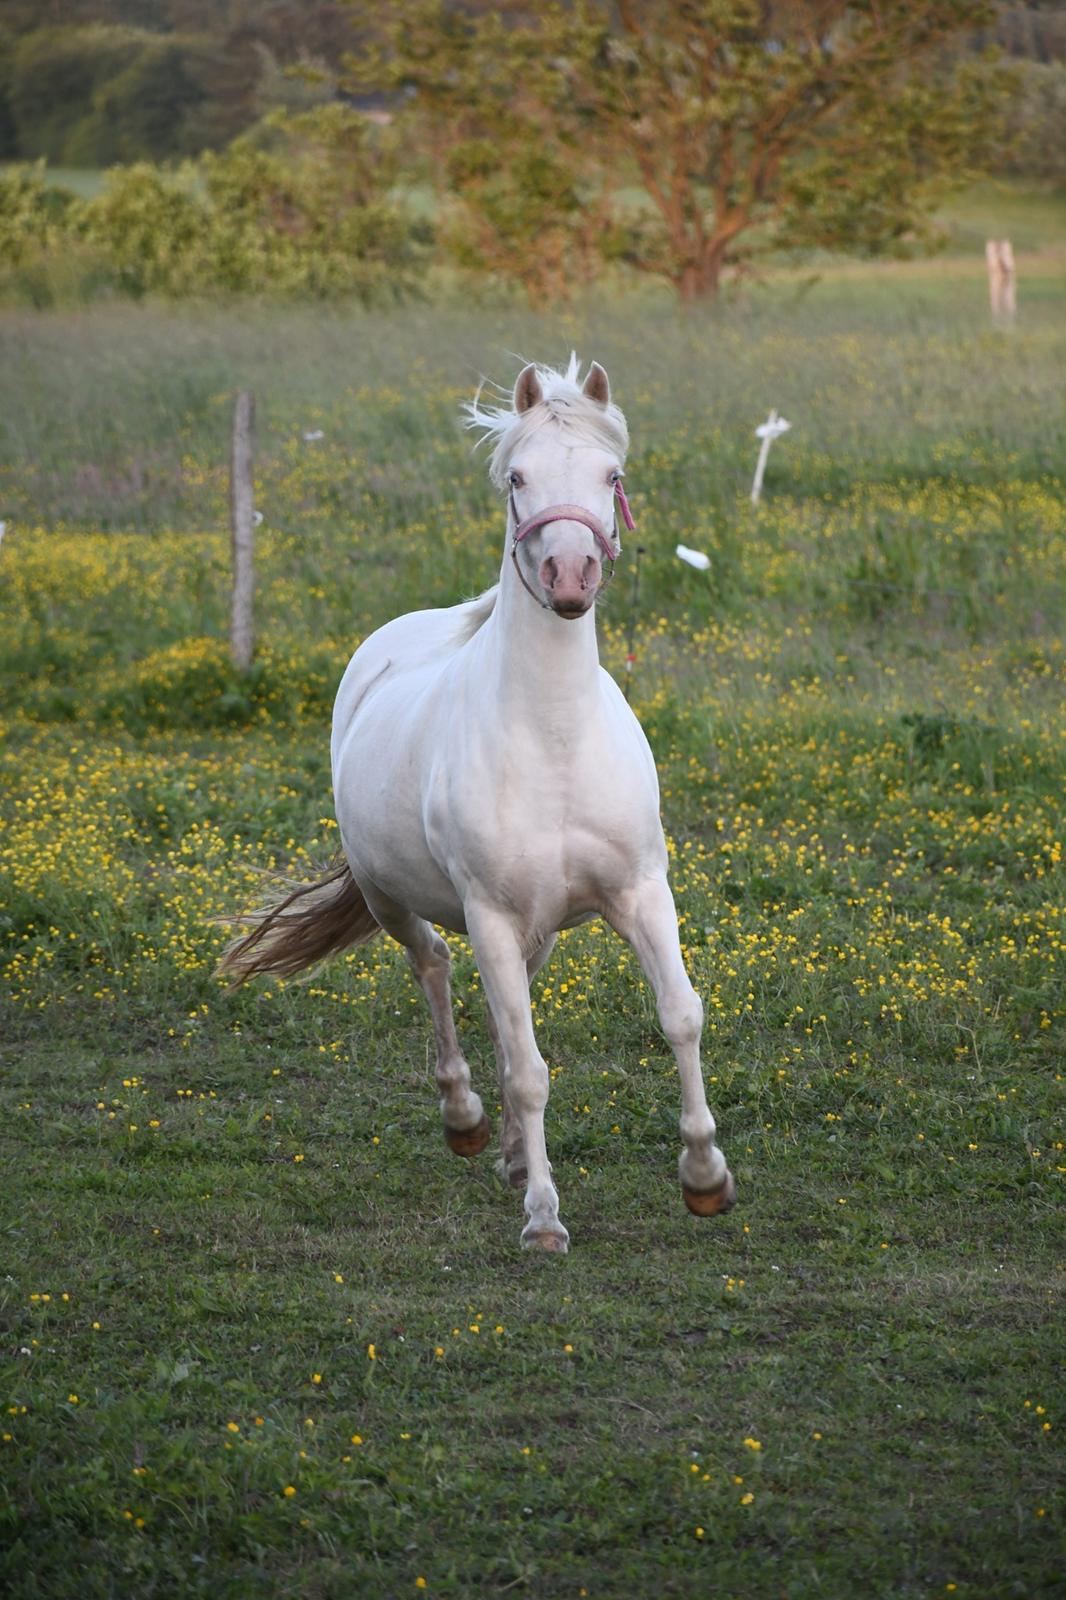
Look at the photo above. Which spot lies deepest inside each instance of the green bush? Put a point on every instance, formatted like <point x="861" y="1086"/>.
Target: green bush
<point x="312" y="218"/>
<point x="41" y="262"/>
<point x="150" y="228"/>
<point x="194" y="684"/>
<point x="322" y="223"/>
<point x="30" y="214"/>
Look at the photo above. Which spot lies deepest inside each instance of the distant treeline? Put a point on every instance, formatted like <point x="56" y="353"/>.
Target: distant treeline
<point x="89" y="84"/>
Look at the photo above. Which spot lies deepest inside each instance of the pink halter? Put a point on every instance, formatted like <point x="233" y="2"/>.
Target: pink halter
<point x="564" y="513"/>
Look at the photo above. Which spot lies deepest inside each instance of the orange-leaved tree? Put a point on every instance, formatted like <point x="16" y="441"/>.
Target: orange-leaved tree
<point x="682" y="135"/>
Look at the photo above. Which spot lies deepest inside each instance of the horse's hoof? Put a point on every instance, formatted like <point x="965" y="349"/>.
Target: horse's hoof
<point x="468" y="1141"/>
<point x="554" y="1243"/>
<point x="709" y="1203"/>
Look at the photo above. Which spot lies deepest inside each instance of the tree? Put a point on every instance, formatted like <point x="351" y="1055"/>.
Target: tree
<point x="518" y="198"/>
<point x="745" y="122"/>
<point x="98" y="95"/>
<point x="1036" y="147"/>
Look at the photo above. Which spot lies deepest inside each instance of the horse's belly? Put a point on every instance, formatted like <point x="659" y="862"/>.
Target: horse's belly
<point x="387" y="851"/>
<point x="408" y="878"/>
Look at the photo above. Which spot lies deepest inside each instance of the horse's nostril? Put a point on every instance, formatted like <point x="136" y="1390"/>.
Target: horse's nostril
<point x="569" y="579"/>
<point x="549" y="572"/>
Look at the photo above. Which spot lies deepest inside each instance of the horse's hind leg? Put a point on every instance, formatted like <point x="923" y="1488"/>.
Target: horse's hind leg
<point x="511" y="1166"/>
<point x="466" y="1127"/>
<point x="648" y="919"/>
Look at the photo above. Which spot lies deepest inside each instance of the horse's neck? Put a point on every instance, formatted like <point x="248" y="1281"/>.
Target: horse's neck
<point x="541" y="667"/>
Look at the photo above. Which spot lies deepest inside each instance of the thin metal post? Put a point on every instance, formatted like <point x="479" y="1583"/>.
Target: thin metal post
<point x="631" y="631"/>
<point x="242" y="529"/>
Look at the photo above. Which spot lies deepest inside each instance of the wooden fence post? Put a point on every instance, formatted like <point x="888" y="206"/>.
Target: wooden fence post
<point x="999" y="256"/>
<point x="242" y="526"/>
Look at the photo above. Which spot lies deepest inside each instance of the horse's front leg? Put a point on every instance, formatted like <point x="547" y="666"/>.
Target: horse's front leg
<point x="512" y="1167"/>
<point x="647" y="918"/>
<point x="502" y="965"/>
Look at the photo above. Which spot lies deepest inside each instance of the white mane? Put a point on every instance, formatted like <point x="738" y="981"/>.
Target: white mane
<point x="473" y="614"/>
<point x="563" y="404"/>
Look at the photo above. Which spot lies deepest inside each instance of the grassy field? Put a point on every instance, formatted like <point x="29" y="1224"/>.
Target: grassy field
<point x="263" y="1334"/>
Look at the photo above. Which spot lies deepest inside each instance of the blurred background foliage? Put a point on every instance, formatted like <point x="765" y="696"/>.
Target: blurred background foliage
<point x="333" y="147"/>
<point x="89" y="83"/>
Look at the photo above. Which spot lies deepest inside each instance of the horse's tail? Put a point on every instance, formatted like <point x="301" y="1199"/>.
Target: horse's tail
<point x="313" y="921"/>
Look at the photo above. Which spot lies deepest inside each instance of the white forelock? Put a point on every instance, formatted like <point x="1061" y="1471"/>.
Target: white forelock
<point x="563" y="403"/>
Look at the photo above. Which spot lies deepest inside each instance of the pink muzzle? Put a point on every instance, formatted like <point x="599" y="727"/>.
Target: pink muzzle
<point x="611" y="546"/>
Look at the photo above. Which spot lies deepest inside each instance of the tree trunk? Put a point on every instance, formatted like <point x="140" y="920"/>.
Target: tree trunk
<point x="699" y="280"/>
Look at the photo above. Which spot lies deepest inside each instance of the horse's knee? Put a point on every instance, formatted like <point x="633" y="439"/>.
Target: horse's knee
<point x="526" y="1087"/>
<point x="681" y="1015"/>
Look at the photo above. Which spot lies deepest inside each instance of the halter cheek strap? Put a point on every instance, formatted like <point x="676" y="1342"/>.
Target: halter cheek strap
<point x="623" y="505"/>
<point x="568" y="513"/>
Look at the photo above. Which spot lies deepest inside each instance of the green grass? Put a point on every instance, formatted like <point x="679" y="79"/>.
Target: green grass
<point x="227" y="1200"/>
<point x="119" y="419"/>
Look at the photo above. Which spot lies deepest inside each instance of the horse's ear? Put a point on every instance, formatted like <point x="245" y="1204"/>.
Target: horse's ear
<point x="596" y="386"/>
<point x="527" y="391"/>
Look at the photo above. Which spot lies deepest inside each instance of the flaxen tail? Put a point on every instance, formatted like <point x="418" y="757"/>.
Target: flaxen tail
<point x="313" y="921"/>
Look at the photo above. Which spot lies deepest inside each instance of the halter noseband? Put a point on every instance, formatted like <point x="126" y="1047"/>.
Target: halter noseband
<point x="565" y="513"/>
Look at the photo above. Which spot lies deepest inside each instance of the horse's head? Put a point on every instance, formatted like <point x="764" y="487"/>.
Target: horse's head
<point x="562" y="482"/>
<point x="559" y="454"/>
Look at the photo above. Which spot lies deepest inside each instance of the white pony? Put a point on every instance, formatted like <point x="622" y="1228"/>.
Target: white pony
<point x="489" y="777"/>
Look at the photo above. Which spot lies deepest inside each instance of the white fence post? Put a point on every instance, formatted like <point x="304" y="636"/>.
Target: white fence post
<point x="242" y="524"/>
<point x="767" y="431"/>
<point x="999" y="256"/>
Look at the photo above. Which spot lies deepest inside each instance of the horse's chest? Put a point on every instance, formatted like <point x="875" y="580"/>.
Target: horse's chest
<point x="554" y="839"/>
